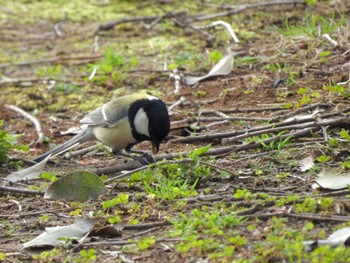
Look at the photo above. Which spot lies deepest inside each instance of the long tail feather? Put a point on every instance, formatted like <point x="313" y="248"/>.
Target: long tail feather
<point x="83" y="136"/>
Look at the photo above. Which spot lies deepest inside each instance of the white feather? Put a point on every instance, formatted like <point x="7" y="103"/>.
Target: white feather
<point x="103" y="110"/>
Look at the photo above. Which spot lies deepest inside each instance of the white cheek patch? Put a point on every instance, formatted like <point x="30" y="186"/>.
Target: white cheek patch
<point x="141" y="122"/>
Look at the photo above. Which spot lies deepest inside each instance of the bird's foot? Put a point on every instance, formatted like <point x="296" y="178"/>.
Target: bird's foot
<point x="145" y="159"/>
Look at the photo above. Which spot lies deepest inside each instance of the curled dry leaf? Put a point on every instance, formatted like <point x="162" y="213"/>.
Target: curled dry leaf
<point x="332" y="180"/>
<point x="30" y="173"/>
<point x="53" y="235"/>
<point x="339" y="237"/>
<point x="306" y="164"/>
<point x="224" y="67"/>
<point x="302" y="116"/>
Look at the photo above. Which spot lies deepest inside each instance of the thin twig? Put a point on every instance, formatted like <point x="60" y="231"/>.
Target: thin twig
<point x="20" y="191"/>
<point x="320" y="124"/>
<point x="177" y="103"/>
<point x="210" y="152"/>
<point x="111" y="24"/>
<point x="313" y="217"/>
<point x="238" y="135"/>
<point x="191" y="120"/>
<point x="51" y="60"/>
<point x="41" y="135"/>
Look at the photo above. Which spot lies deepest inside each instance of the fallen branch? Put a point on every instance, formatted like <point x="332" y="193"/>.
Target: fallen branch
<point x="191" y="120"/>
<point x="312" y="217"/>
<point x="20" y="191"/>
<point x="111" y="24"/>
<point x="41" y="135"/>
<point x="238" y="135"/>
<point x="51" y="60"/>
<point x="189" y="19"/>
<point x="210" y="152"/>
<point x="298" y="126"/>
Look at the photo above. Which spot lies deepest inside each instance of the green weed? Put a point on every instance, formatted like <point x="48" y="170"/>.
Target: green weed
<point x="52" y="255"/>
<point x="323" y="159"/>
<point x="337" y="89"/>
<point x="111" y="66"/>
<point x="8" y="142"/>
<point x="273" y="145"/>
<point x="215" y="56"/>
<point x="120" y="199"/>
<point x="51" y="177"/>
<point x="86" y="256"/>
<point x="210" y="232"/>
<point x="313" y="24"/>
<point x="145" y="243"/>
<point x="172" y="180"/>
<point x="277" y="67"/>
<point x="187" y="59"/>
<point x="171" y="188"/>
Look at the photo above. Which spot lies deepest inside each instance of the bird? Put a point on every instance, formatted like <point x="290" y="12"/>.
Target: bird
<point x="122" y="123"/>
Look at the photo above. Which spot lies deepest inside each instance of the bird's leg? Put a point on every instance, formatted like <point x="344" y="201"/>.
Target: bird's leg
<point x="144" y="158"/>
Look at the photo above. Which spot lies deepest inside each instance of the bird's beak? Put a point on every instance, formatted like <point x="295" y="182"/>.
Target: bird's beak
<point x="155" y="147"/>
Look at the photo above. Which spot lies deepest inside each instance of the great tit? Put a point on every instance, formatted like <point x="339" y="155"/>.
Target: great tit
<point x="121" y="123"/>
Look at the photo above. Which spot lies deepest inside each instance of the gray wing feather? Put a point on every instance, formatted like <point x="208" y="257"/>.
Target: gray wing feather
<point x="106" y="115"/>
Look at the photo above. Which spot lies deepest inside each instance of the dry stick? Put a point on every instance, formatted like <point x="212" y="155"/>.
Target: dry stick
<point x="125" y="241"/>
<point x="306" y="108"/>
<point x="12" y="216"/>
<point x="215" y="119"/>
<point x="255" y="131"/>
<point x="242" y="8"/>
<point x="123" y="175"/>
<point x="81" y="151"/>
<point x="238" y="110"/>
<point x="50" y="60"/>
<point x="32" y="62"/>
<point x="198" y="17"/>
<point x="24" y="82"/>
<point x="334" y="122"/>
<point x="126" y="174"/>
<point x="334" y="193"/>
<point x="20" y="191"/>
<point x="212" y="119"/>
<point x="111" y="24"/>
<point x="301" y="216"/>
<point x="41" y="135"/>
<point x="210" y="152"/>
<point x="146" y="225"/>
<point x="275" y="2"/>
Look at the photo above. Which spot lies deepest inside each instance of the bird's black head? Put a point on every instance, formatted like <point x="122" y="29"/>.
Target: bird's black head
<point x="150" y="121"/>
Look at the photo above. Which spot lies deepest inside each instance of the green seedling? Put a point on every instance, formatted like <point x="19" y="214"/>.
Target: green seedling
<point x="323" y="159"/>
<point x="273" y="145"/>
<point x="8" y="142"/>
<point x="87" y="256"/>
<point x="215" y="56"/>
<point x="171" y="188"/>
<point x="145" y="243"/>
<point x="313" y="24"/>
<point x="51" y="177"/>
<point x="173" y="180"/>
<point x="344" y="134"/>
<point x="337" y="89"/>
<point x="120" y="199"/>
<point x="208" y="232"/>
